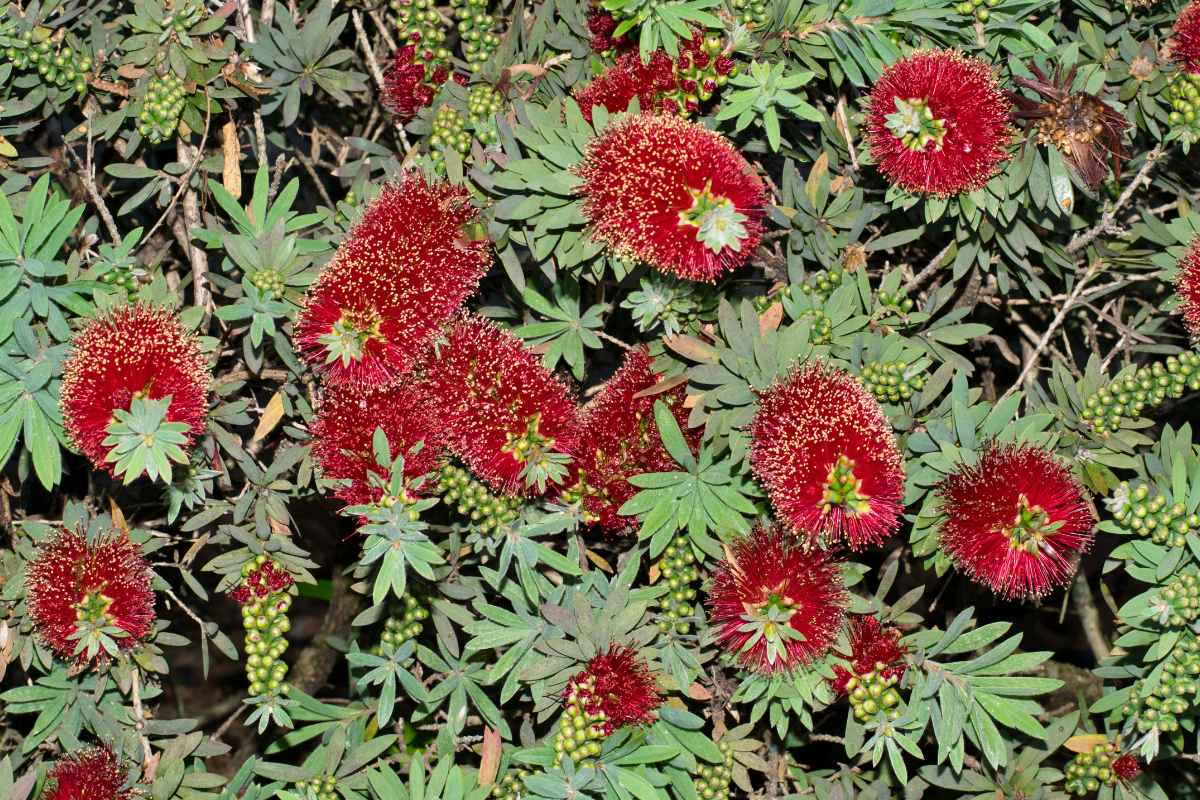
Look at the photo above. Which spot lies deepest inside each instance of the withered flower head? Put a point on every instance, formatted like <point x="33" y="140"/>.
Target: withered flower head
<point x="1087" y="131"/>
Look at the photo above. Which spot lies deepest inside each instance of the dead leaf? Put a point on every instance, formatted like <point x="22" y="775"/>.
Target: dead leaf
<point x="118" y="517"/>
<point x="698" y="692"/>
<point x="271" y="416"/>
<point x="231" y="172"/>
<point x="691" y="347"/>
<point x="1085" y="742"/>
<point x="130" y="72"/>
<point x="769" y="320"/>
<point x="665" y="385"/>
<point x="490" y="761"/>
<point x="598" y="560"/>
<point x="820" y="169"/>
<point x="655" y="572"/>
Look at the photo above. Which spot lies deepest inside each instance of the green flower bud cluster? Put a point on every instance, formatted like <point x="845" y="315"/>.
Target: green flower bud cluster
<point x="318" y="788"/>
<point x="1182" y="598"/>
<point x="121" y="277"/>
<point x="476" y="31"/>
<point x="873" y="693"/>
<point x="887" y="381"/>
<point x="579" y="733"/>
<point x="483" y="104"/>
<point x="678" y="570"/>
<point x="712" y="782"/>
<point x="265" y="620"/>
<point x="487" y="512"/>
<point x="823" y="283"/>
<point x="187" y="13"/>
<point x="978" y="8"/>
<point x="822" y="326"/>
<point x="1086" y="772"/>
<point x="898" y="302"/>
<point x="59" y="66"/>
<point x="1159" y="708"/>
<point x="1183" y="95"/>
<point x="752" y="13"/>
<point x="449" y="132"/>
<point x="511" y="786"/>
<point x="420" y="23"/>
<point x="398" y="629"/>
<point x="1149" y="385"/>
<point x="268" y="280"/>
<point x="159" y="114"/>
<point x="1138" y="512"/>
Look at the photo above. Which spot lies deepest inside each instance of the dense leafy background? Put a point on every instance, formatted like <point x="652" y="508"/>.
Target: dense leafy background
<point x="211" y="156"/>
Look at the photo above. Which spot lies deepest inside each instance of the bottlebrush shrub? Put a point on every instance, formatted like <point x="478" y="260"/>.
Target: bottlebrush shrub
<point x="599" y="399"/>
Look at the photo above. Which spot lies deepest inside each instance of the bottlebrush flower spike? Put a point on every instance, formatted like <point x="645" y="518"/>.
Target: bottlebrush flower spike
<point x="601" y="25"/>
<point x="664" y="84"/>
<point x="774" y="604"/>
<point x="92" y="773"/>
<point x="344" y="430"/>
<point x="89" y="601"/>
<point x="128" y="352"/>
<point x="1185" y="43"/>
<point x="1015" y="520"/>
<point x="617" y="686"/>
<point x="1126" y="767"/>
<point x="509" y="419"/>
<point x="670" y="193"/>
<point x="824" y="450"/>
<point x="619" y="439"/>
<point x="1187" y="286"/>
<point x="400" y="274"/>
<point x="938" y="123"/>
<point x="874" y="647"/>
<point x="615" y="88"/>
<point x="409" y="84"/>
<point x="1085" y="129"/>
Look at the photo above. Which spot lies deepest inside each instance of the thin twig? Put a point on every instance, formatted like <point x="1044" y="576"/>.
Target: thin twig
<point x="610" y="338"/>
<point x="1106" y="220"/>
<point x="186" y="177"/>
<point x="149" y="763"/>
<point x="88" y="177"/>
<point x="365" y="44"/>
<point x="1067" y="306"/>
<point x="933" y="266"/>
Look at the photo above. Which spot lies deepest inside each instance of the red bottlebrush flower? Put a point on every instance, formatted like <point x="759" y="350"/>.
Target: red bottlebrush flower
<point x="1085" y="129"/>
<point x="873" y="647"/>
<point x="79" y="591"/>
<point x="670" y="193"/>
<point x="618" y="684"/>
<point x="938" y="123"/>
<point x="92" y="773"/>
<point x="508" y="418"/>
<point x="628" y="78"/>
<point x="134" y="351"/>
<point x="666" y="85"/>
<point x="1185" y="43"/>
<point x="1126" y="766"/>
<point x="1187" y="286"/>
<point x="601" y="25"/>
<point x="1015" y="520"/>
<point x="400" y="274"/>
<point x="409" y="84"/>
<point x="824" y="450"/>
<point x="266" y="579"/>
<point x="344" y="430"/>
<point x="619" y="439"/>
<point x="774" y="604"/>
